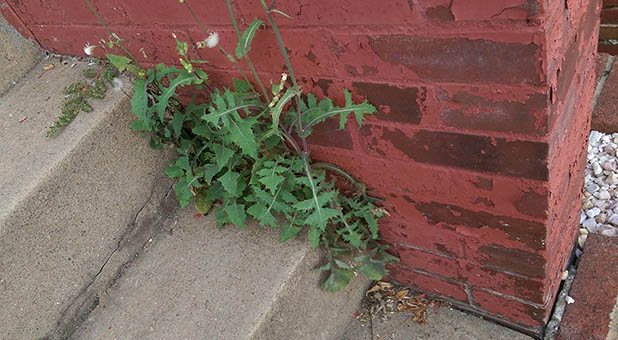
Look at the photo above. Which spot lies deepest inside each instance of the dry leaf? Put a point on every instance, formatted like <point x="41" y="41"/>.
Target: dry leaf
<point x="48" y="67"/>
<point x="402" y="294"/>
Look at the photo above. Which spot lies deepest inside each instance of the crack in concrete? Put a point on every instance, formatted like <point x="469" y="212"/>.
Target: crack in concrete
<point x="78" y="310"/>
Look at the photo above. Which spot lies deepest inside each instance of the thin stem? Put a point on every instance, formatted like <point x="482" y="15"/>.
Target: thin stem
<point x="227" y="55"/>
<point x="290" y="69"/>
<point x="255" y="75"/>
<point x="119" y="43"/>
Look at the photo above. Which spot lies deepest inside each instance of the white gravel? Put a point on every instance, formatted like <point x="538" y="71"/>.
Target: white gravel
<point x="600" y="202"/>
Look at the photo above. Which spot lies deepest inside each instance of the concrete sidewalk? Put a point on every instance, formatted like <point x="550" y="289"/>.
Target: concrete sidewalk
<point x="442" y="324"/>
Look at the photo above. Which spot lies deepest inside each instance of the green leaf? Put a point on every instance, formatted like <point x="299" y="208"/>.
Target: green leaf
<point x="320" y="217"/>
<point x="183" y="78"/>
<point x="236" y="213"/>
<point x="338" y="279"/>
<point x="289" y="231"/>
<point x="222" y="155"/>
<point x="241" y="134"/>
<point x="183" y="191"/>
<point x="174" y="172"/>
<point x="119" y="61"/>
<point x="353" y="237"/>
<point x="314" y="238"/>
<point x="244" y="43"/>
<point x="373" y="270"/>
<point x="230" y="182"/>
<point x="177" y="121"/>
<point x="276" y="110"/>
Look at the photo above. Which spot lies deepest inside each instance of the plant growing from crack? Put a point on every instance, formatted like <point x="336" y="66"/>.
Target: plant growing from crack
<point x="246" y="150"/>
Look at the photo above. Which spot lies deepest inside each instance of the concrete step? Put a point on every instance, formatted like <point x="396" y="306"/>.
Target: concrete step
<point x="199" y="282"/>
<point x="17" y="55"/>
<point x="74" y="208"/>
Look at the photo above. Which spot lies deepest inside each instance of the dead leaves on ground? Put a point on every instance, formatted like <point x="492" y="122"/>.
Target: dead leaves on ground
<point x="384" y="299"/>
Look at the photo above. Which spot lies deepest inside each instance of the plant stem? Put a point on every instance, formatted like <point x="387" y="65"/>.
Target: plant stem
<point x="227" y="55"/>
<point x="126" y="50"/>
<point x="255" y="75"/>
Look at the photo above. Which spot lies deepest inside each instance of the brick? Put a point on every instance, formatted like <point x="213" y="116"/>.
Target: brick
<point x="483" y="109"/>
<point x="529" y="234"/>
<point x="519" y="286"/>
<point x="425" y="261"/>
<point x="431" y="284"/>
<point x="609" y="15"/>
<point x="478" y="153"/>
<point x="518" y="261"/>
<point x="68" y="13"/>
<point x="497" y="195"/>
<point x="436" y="239"/>
<point x="600" y="63"/>
<point x="594" y="291"/>
<point x="608" y="32"/>
<point x="328" y="134"/>
<point x="460" y="59"/>
<point x="143" y="12"/>
<point x="607" y="47"/>
<point x="492" y="10"/>
<point x="604" y="116"/>
<point x="395" y="104"/>
<point x="527" y="315"/>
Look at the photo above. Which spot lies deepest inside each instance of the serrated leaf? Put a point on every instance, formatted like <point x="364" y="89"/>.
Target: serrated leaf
<point x="244" y="43"/>
<point x="353" y="238"/>
<point x="373" y="270"/>
<point x="120" y="62"/>
<point x="202" y="131"/>
<point x="236" y="214"/>
<point x="320" y="217"/>
<point x="288" y="231"/>
<point x="338" y="279"/>
<point x="230" y="182"/>
<point x="222" y="155"/>
<point x="314" y="238"/>
<point x="241" y="134"/>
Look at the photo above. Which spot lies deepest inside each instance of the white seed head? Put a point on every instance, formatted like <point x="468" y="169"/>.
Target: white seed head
<point x="212" y="40"/>
<point x="88" y="49"/>
<point x="117" y="84"/>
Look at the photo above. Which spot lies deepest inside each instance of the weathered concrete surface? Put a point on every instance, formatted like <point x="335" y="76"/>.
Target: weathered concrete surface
<point x="73" y="208"/>
<point x="199" y="282"/>
<point x="594" y="291"/>
<point x="17" y="55"/>
<point x="442" y="323"/>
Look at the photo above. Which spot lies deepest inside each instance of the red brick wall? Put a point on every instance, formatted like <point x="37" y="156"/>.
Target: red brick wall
<point x="479" y="145"/>
<point x="609" y="27"/>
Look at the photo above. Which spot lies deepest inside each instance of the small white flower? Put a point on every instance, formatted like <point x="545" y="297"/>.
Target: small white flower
<point x="88" y="49"/>
<point x="212" y="40"/>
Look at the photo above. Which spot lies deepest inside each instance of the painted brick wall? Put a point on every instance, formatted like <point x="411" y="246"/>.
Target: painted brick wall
<point x="479" y="146"/>
<point x="608" y="35"/>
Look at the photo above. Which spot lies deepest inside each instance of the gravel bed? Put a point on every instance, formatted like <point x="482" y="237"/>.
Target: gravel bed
<point x="600" y="202"/>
